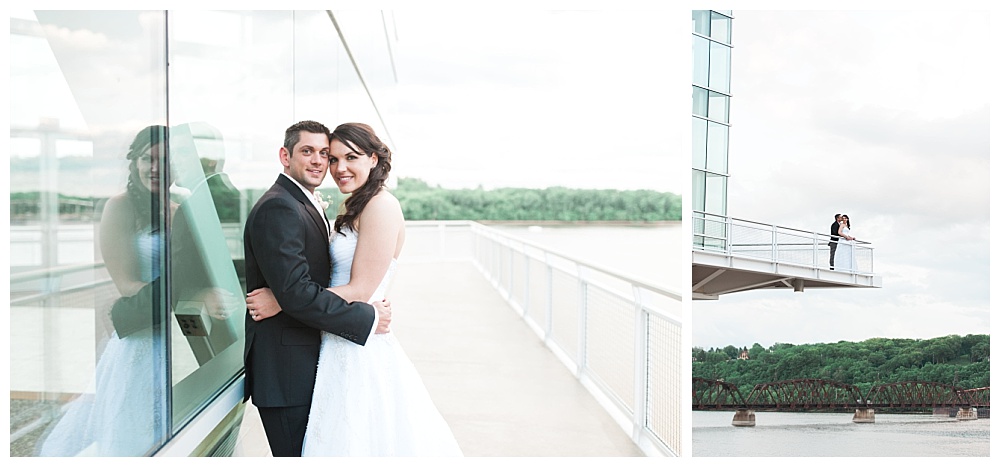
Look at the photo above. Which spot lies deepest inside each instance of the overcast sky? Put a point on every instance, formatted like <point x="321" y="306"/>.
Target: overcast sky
<point x="881" y="115"/>
<point x="525" y="97"/>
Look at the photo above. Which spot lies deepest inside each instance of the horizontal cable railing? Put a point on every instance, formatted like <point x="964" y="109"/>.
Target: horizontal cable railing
<point x="739" y="237"/>
<point x="621" y="336"/>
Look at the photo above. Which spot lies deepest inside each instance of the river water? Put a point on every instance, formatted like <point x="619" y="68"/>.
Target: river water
<point x="652" y="253"/>
<point x="779" y="434"/>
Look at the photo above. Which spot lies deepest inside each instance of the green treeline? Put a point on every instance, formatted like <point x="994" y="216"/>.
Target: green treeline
<point x="420" y="201"/>
<point x="956" y="360"/>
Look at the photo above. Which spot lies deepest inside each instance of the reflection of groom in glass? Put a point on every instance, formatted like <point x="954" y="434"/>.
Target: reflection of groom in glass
<point x="834" y="237"/>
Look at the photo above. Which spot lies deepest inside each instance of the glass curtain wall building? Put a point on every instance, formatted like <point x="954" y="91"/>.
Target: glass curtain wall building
<point x="711" y="51"/>
<point x="139" y="141"/>
<point x="732" y="255"/>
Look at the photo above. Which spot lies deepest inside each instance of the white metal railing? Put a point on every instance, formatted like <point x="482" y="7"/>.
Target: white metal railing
<point x="739" y="237"/>
<point x="621" y="336"/>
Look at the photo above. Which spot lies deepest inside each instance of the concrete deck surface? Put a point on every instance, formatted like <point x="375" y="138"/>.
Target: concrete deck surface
<point x="500" y="389"/>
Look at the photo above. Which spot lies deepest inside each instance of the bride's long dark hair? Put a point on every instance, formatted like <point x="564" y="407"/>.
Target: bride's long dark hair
<point x="363" y="138"/>
<point x="143" y="202"/>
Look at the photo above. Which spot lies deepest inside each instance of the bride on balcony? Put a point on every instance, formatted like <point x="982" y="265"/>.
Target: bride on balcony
<point x="844" y="258"/>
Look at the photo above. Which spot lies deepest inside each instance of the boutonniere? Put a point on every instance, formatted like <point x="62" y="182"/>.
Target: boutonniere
<point x="322" y="199"/>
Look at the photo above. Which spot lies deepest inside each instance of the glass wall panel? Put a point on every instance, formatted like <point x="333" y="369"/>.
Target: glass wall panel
<point x="330" y="91"/>
<point x="223" y="145"/>
<point x="700" y="101"/>
<point x="718" y="146"/>
<point x="721" y="28"/>
<point x="701" y="22"/>
<point x="699" y="52"/>
<point x="719" y="68"/>
<point x="699" y="142"/>
<point x="127" y="288"/>
<point x="370" y="35"/>
<point x="88" y="186"/>
<point x="715" y="194"/>
<point x="718" y="107"/>
<point x="698" y="190"/>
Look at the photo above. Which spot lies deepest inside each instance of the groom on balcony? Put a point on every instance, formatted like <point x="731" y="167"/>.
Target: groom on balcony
<point x="834" y="237"/>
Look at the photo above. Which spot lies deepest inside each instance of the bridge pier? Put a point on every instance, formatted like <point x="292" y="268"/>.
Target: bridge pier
<point x="864" y="416"/>
<point x="744" y="417"/>
<point x="967" y="414"/>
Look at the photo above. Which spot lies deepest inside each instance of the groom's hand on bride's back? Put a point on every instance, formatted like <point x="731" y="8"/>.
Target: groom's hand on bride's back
<point x="384" y="310"/>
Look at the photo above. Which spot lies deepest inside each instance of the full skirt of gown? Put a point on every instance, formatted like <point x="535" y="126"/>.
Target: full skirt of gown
<point x="369" y="400"/>
<point x="844" y="258"/>
<point x="122" y="414"/>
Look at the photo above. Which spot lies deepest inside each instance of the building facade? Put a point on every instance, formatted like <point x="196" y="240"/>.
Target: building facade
<point x="711" y="51"/>
<point x="139" y="141"/>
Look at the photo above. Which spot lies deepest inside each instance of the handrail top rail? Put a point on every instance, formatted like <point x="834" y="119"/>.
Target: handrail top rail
<point x="601" y="269"/>
<point x="53" y="271"/>
<point x="730" y="220"/>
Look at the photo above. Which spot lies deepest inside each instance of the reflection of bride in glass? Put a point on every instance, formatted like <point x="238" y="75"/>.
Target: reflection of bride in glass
<point x="122" y="416"/>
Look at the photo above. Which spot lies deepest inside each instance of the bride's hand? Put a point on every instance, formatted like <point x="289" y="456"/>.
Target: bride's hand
<point x="261" y="304"/>
<point x="219" y="302"/>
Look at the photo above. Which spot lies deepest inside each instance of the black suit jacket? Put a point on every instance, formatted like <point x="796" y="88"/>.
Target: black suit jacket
<point x="287" y="249"/>
<point x="834" y="233"/>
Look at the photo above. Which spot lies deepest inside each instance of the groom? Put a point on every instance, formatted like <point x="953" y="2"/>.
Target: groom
<point x="834" y="237"/>
<point x="286" y="246"/>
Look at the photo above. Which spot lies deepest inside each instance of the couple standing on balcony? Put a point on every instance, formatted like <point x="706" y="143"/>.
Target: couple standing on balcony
<point x="327" y="376"/>
<point x="841" y="244"/>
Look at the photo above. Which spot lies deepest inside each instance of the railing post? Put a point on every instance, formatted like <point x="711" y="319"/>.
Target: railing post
<point x="815" y="255"/>
<point x="854" y="260"/>
<point x="510" y="273"/>
<point x="728" y="228"/>
<point x="641" y="364"/>
<point x="774" y="243"/>
<point x="442" y="241"/>
<point x="582" y="327"/>
<point x="549" y="294"/>
<point x="527" y="280"/>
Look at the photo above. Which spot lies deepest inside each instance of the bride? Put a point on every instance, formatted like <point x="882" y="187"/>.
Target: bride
<point x="844" y="258"/>
<point x="368" y="400"/>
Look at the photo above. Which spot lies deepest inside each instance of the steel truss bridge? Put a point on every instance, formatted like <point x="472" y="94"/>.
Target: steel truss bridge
<point x="824" y="395"/>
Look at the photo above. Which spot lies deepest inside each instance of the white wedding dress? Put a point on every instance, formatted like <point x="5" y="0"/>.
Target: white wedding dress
<point x="369" y="400"/>
<point x="119" y="414"/>
<point x="844" y="259"/>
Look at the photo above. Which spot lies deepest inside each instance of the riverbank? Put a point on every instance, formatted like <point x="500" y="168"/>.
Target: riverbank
<point x="583" y="223"/>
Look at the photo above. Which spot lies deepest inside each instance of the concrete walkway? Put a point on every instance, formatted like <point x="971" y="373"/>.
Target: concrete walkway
<point x="501" y="390"/>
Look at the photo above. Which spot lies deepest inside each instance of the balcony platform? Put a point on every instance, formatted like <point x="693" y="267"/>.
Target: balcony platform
<point x="715" y="273"/>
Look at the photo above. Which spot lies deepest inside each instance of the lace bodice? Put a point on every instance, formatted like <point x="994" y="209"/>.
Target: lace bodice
<point x="342" y="256"/>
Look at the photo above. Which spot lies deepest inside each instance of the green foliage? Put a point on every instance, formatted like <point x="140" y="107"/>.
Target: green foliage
<point x="962" y="361"/>
<point x="420" y="201"/>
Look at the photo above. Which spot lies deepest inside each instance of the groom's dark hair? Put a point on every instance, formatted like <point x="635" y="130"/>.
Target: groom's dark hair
<point x="308" y="126"/>
<point x="835" y="216"/>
